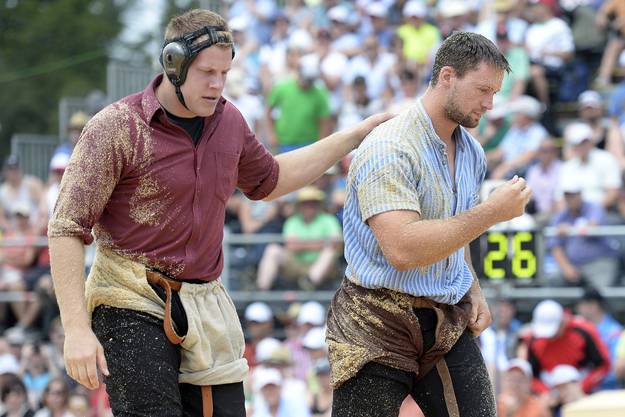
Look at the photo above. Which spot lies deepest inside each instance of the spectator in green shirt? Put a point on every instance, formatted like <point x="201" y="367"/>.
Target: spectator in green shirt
<point x="312" y="241"/>
<point x="298" y="111"/>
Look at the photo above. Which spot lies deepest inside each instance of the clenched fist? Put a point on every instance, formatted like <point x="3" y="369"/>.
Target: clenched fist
<point x="509" y="199"/>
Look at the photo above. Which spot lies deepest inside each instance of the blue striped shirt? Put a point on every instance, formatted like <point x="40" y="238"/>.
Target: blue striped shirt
<point x="402" y="165"/>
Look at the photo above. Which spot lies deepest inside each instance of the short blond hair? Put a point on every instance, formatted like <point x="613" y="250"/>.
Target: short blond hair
<point x="193" y="20"/>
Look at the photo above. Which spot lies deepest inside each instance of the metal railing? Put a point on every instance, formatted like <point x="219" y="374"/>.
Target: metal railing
<point x="492" y="290"/>
<point x="35" y="152"/>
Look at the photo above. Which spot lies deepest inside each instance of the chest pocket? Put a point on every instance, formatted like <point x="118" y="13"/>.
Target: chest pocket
<point x="227" y="173"/>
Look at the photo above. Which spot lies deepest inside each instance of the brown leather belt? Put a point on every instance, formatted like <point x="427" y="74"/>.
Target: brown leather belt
<point x="422" y="302"/>
<point x="168" y="284"/>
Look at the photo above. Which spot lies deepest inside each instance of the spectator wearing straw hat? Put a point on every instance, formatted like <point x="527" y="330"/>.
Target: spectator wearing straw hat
<point x="311" y="248"/>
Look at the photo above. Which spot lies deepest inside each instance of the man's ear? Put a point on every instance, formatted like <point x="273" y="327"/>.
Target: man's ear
<point x="446" y="76"/>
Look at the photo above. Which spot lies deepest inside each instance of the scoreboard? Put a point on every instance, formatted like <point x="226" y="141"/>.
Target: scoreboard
<point x="500" y="255"/>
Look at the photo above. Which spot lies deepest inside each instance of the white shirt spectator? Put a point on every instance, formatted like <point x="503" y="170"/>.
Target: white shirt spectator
<point x="596" y="176"/>
<point x="544" y="39"/>
<point x="515" y="27"/>
<point x="519" y="141"/>
<point x="332" y="66"/>
<point x="376" y="74"/>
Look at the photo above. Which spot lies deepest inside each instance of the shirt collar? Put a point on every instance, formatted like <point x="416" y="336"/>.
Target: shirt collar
<point x="151" y="105"/>
<point x="458" y="133"/>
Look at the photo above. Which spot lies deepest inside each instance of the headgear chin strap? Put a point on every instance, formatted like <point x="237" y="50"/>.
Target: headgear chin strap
<point x="177" y="54"/>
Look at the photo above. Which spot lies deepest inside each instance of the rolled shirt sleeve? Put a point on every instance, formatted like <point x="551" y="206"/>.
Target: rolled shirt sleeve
<point x="94" y="170"/>
<point x="387" y="181"/>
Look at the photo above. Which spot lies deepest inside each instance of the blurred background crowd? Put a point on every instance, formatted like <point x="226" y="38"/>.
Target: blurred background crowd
<point x="306" y="68"/>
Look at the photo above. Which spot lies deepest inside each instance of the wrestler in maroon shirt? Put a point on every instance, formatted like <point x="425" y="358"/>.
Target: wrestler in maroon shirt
<point x="150" y="177"/>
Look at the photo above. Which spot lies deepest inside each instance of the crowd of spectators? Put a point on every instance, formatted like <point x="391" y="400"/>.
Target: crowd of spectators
<point x="305" y="68"/>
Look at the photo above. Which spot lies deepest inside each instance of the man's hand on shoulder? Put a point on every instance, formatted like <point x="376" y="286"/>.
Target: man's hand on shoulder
<point x="362" y="129"/>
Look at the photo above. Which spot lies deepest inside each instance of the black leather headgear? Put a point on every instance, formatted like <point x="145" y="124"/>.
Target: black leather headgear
<point x="178" y="54"/>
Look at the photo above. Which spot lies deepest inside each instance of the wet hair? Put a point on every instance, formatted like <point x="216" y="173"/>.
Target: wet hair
<point x="464" y="52"/>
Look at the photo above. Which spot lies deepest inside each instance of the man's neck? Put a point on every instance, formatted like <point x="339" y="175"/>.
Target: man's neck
<point x="433" y="104"/>
<point x="166" y="96"/>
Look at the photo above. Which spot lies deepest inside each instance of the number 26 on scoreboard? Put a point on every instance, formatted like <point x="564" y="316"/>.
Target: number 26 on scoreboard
<point x="510" y="255"/>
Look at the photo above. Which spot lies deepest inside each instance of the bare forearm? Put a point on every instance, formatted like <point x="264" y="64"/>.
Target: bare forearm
<point x="425" y="242"/>
<point x="561" y="259"/>
<point x="611" y="196"/>
<point x="304" y="165"/>
<point x="68" y="274"/>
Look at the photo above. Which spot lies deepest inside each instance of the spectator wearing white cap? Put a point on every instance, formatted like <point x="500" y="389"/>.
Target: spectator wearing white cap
<point x="518" y="147"/>
<point x="503" y="17"/>
<point x="345" y="40"/>
<point x="51" y="192"/>
<point x="543" y="177"/>
<point x="258" y="326"/>
<point x="269" y="382"/>
<point x="596" y="171"/>
<point x="454" y="16"/>
<point x="246" y="45"/>
<point x="311" y="314"/>
<point x="549" y="42"/>
<point x="582" y="258"/>
<point x="273" y="54"/>
<point x="558" y="338"/>
<point x="516" y="398"/>
<point x="566" y="386"/>
<point x="377" y="12"/>
<point x="419" y="37"/>
<point x="590" y="110"/>
<point x="374" y="65"/>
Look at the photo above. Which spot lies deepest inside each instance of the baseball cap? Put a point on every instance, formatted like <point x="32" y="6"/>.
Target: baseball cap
<point x="315" y="338"/>
<point x="415" y="8"/>
<point x="238" y="23"/>
<point x="520" y="364"/>
<point x="309" y="66"/>
<point x="563" y="374"/>
<point x="21" y="208"/>
<point x="376" y="9"/>
<point x="571" y="185"/>
<point x="59" y="162"/>
<point x="576" y="133"/>
<point x="312" y="312"/>
<point x="526" y="105"/>
<point x="590" y="98"/>
<point x="454" y="8"/>
<point x="339" y="14"/>
<point x="258" y="312"/>
<point x="267" y="376"/>
<point x="266" y="347"/>
<point x="546" y="318"/>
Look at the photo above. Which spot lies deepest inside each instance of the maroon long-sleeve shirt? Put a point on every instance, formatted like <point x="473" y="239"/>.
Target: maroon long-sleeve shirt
<point x="149" y="194"/>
